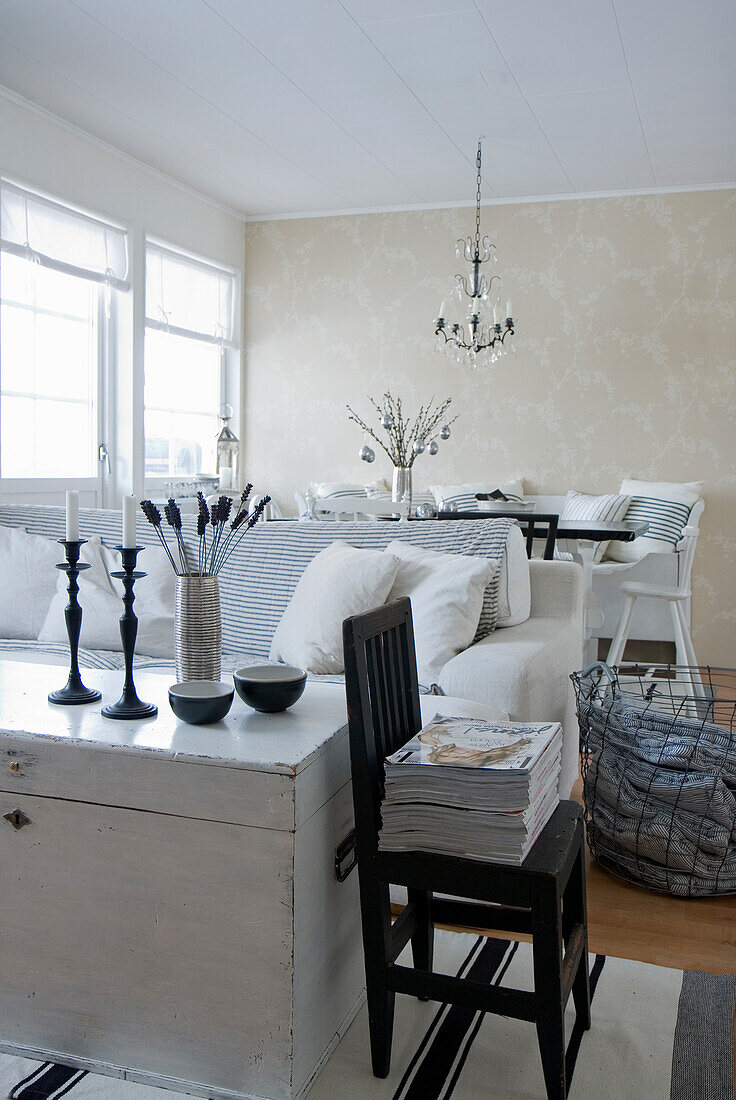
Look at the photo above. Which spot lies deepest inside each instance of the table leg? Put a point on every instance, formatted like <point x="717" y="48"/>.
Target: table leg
<point x="583" y="552"/>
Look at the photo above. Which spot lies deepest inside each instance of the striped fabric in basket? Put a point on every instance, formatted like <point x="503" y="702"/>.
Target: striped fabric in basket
<point x="261" y="575"/>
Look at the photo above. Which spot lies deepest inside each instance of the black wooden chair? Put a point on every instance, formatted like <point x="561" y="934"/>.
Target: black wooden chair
<point x="534" y="525"/>
<point x="544" y="897"/>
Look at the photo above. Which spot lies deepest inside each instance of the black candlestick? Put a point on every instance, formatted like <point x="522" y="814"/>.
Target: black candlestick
<point x="74" y="692"/>
<point x="129" y="705"/>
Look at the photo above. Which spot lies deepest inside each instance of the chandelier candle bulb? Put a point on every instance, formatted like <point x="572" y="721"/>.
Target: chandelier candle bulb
<point x="129" y="511"/>
<point x="72" y="515"/>
<point x="508" y="308"/>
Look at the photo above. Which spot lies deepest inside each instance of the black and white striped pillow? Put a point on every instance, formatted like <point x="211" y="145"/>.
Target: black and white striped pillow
<point x="608" y="508"/>
<point x="665" y="506"/>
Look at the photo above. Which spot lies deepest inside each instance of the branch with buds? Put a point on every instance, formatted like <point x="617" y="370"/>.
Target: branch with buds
<point x="402" y="432"/>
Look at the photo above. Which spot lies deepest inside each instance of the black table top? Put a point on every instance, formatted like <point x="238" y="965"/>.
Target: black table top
<point x="595" y="530"/>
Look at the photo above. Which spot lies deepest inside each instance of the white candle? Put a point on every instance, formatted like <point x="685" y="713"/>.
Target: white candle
<point x="508" y="308"/>
<point x="226" y="477"/>
<point x="442" y="310"/>
<point x="495" y="316"/>
<point x="129" y="510"/>
<point x="72" y="515"/>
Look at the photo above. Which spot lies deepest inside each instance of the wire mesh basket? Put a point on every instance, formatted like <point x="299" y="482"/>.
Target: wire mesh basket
<point x="659" y="774"/>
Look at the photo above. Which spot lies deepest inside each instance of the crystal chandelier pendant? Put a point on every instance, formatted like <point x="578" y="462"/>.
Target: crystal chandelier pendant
<point x="474" y="339"/>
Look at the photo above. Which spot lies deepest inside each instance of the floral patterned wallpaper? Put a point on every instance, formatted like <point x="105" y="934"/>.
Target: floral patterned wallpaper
<point x="625" y="361"/>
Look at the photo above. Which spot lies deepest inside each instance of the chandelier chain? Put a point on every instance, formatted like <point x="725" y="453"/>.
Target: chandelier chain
<point x="477" y="201"/>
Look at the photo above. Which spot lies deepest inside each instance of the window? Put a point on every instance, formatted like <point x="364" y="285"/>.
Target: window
<point x="59" y="267"/>
<point x="182" y="399"/>
<point x="189" y="332"/>
<point x="49" y="375"/>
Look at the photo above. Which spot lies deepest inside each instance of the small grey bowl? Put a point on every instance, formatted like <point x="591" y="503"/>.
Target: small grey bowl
<point x="200" y="702"/>
<point x="270" y="688"/>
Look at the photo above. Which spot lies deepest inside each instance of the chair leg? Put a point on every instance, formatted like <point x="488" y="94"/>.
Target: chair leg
<point x="422" y="942"/>
<point x="691" y="659"/>
<point x="380" y="1020"/>
<point x="575" y="911"/>
<point x="375" y="914"/>
<point x="681" y="650"/>
<point x="547" y="948"/>
<point x="618" y="642"/>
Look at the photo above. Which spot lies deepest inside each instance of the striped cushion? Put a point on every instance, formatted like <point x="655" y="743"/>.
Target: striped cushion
<point x="262" y="573"/>
<point x="326" y="491"/>
<point x="665" y="506"/>
<point x="417" y="497"/>
<point x="605" y="509"/>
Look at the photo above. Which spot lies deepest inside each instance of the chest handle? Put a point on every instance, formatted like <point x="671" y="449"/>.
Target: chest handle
<point x="17" y="819"/>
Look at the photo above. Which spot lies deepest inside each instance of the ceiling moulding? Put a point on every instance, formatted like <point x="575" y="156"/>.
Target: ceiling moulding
<point x="84" y="135"/>
<point x="99" y="143"/>
<point x="515" y="201"/>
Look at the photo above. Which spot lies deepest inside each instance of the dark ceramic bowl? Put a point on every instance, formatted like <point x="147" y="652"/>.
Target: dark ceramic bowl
<point x="270" y="688"/>
<point x="200" y="702"/>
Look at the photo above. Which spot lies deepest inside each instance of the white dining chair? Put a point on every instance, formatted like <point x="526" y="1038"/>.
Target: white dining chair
<point x="676" y="596"/>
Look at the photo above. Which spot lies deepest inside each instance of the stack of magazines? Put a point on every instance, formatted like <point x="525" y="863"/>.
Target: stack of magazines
<point x="482" y="790"/>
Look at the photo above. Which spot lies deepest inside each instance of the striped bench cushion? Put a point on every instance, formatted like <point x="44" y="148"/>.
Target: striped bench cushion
<point x="262" y="573"/>
<point x="665" y="506"/>
<point x="608" y="508"/>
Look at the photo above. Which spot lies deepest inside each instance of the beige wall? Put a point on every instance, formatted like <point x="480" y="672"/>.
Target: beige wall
<point x="625" y="361"/>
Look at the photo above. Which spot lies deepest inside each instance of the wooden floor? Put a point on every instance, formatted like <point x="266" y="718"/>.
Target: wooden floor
<point x="631" y="922"/>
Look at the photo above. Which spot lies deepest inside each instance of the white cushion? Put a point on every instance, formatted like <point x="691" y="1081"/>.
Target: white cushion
<point x="665" y="506"/>
<point x="29" y="581"/>
<point x="514" y="589"/>
<point x="446" y="592"/>
<point x="605" y="509"/>
<point x="100" y="597"/>
<point x="340" y="581"/>
<point x="463" y="496"/>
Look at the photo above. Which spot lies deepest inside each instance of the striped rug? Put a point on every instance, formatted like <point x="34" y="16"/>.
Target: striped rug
<point x="658" y="1034"/>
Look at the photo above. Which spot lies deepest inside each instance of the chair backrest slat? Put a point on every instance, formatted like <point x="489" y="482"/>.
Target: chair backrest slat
<point x="383" y="702"/>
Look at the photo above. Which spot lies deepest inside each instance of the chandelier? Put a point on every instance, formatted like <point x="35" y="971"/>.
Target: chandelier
<point x="481" y="335"/>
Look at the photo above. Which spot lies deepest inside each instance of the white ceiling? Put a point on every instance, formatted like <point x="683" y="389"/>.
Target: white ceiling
<point x="282" y="106"/>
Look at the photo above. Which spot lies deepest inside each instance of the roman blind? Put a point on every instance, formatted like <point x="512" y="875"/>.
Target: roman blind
<point x="188" y="296"/>
<point x="63" y="238"/>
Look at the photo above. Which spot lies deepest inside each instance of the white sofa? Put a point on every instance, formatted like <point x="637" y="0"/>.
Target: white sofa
<point x="522" y="669"/>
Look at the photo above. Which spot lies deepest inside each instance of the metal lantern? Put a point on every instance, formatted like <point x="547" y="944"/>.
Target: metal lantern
<point x="228" y="451"/>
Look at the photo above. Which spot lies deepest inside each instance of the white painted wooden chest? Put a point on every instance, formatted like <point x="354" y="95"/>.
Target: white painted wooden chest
<point x="170" y="913"/>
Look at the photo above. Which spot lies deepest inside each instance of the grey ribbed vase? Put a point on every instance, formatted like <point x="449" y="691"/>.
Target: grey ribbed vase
<point x="198" y="633"/>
